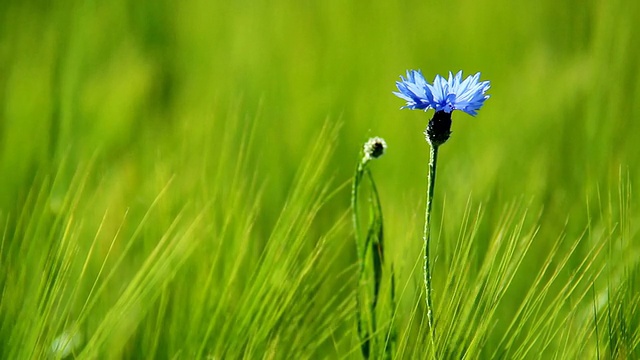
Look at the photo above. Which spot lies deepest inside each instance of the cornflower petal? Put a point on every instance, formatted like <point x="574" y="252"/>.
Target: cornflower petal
<point x="413" y="90"/>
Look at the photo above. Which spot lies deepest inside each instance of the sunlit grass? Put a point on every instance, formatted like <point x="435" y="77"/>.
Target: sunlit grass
<point x="176" y="179"/>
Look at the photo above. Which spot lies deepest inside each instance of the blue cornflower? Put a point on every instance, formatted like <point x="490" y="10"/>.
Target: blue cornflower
<point x="443" y="95"/>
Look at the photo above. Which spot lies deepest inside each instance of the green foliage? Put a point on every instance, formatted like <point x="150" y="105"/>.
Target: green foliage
<point x="175" y="178"/>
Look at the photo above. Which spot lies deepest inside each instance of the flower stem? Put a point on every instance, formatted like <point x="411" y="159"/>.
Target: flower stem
<point x="361" y="248"/>
<point x="427" y="239"/>
<point x="366" y="298"/>
<point x="357" y="177"/>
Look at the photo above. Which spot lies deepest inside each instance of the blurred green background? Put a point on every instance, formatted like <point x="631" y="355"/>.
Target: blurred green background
<point x="227" y="97"/>
<point x="123" y="76"/>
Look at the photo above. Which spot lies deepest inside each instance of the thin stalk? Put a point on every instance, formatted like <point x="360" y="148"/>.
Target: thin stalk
<point x="367" y="302"/>
<point x="427" y="239"/>
<point x="357" y="177"/>
<point x="361" y="249"/>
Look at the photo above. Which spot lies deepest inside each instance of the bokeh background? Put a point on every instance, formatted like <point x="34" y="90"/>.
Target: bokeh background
<point x="224" y="100"/>
<point x="118" y="76"/>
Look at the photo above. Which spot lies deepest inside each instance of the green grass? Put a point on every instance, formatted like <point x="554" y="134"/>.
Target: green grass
<point x="175" y="178"/>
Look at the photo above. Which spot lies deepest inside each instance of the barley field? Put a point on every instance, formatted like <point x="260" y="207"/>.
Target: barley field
<point x="176" y="179"/>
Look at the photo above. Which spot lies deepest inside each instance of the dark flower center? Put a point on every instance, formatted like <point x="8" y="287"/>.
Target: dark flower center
<point x="439" y="128"/>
